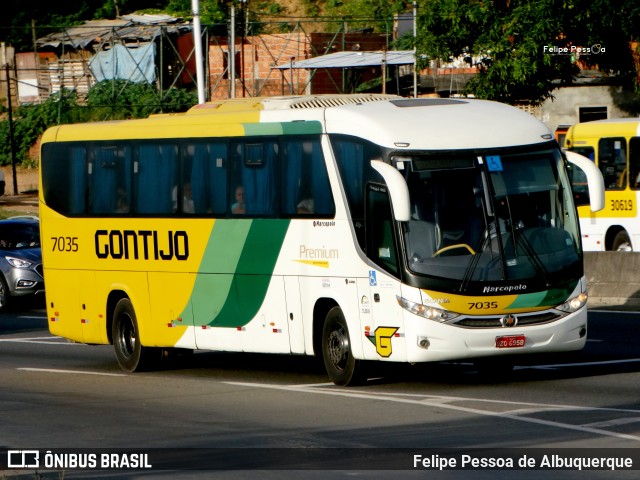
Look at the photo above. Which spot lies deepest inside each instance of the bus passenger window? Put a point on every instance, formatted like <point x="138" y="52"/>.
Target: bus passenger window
<point x="612" y="161"/>
<point x="156" y="178"/>
<point x="110" y="179"/>
<point x="634" y="163"/>
<point x="64" y="177"/>
<point x="204" y="178"/>
<point x="254" y="176"/>
<point x="304" y="179"/>
<point x="381" y="246"/>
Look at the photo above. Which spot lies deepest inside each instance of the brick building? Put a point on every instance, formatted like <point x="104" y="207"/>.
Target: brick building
<point x="255" y="57"/>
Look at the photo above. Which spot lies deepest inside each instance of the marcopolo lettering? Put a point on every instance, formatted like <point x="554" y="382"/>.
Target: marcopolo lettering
<point x="145" y="244"/>
<point x="504" y="289"/>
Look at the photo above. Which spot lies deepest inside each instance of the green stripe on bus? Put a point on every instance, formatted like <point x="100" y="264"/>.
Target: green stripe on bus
<point x="286" y="128"/>
<point x="236" y="271"/>
<point x="214" y="283"/>
<point x="547" y="298"/>
<point x="302" y="128"/>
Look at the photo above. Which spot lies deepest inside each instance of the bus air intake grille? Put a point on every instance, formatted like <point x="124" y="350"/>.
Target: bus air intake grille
<point x="494" y="322"/>
<point x="337" y="100"/>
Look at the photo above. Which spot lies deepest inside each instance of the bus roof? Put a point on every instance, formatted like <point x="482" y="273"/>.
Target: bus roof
<point x="388" y="120"/>
<point x="612" y="127"/>
<point x="421" y="123"/>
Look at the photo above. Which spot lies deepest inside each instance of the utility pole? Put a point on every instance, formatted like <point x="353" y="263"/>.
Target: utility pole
<point x="12" y="142"/>
<point x="197" y="44"/>
<point x="415" y="49"/>
<point x="232" y="52"/>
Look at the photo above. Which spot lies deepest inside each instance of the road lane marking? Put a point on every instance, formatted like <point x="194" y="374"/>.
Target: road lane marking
<point x="613" y="422"/>
<point x="436" y="401"/>
<point x="81" y="372"/>
<point x="41" y="341"/>
<point x="577" y="364"/>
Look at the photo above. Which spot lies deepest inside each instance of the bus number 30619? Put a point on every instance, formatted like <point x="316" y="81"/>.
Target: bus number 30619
<point x="65" y="244"/>
<point x="626" y="205"/>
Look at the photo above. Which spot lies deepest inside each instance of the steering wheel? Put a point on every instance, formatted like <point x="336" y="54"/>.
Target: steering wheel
<point x="452" y="247"/>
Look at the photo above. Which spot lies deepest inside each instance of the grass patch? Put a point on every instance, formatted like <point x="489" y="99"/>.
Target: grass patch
<point x="8" y="212"/>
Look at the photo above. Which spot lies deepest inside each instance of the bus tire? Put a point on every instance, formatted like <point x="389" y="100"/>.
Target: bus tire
<point x="342" y="367"/>
<point x="621" y="242"/>
<point x="132" y="356"/>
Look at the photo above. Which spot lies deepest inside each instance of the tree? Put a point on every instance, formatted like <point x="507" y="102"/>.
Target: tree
<point x="520" y="43"/>
<point x="375" y="14"/>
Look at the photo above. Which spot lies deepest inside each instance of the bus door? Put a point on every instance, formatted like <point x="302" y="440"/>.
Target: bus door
<point x="381" y="318"/>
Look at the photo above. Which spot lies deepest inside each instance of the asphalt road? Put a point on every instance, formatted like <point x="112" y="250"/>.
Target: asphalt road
<point x="237" y="415"/>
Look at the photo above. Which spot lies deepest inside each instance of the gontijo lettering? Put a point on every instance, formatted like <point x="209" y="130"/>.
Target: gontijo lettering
<point x="145" y="244"/>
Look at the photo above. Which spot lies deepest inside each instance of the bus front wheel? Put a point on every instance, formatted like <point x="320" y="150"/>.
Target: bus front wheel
<point x="621" y="242"/>
<point x="131" y="354"/>
<point x="342" y="367"/>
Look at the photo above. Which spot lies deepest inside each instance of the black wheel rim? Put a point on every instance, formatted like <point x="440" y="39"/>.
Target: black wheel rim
<point x="126" y="335"/>
<point x="338" y="347"/>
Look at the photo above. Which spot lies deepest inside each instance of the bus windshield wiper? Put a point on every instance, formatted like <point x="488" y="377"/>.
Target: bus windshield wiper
<point x="518" y="233"/>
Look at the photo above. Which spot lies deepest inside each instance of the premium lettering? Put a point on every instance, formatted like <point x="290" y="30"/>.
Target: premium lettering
<point x="318" y="253"/>
<point x="142" y="244"/>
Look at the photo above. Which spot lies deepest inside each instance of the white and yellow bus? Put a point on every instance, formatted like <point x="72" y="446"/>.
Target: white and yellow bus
<point x="355" y="228"/>
<point x="614" y="145"/>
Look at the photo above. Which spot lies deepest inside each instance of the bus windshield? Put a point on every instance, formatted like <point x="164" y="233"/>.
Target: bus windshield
<point x="497" y="216"/>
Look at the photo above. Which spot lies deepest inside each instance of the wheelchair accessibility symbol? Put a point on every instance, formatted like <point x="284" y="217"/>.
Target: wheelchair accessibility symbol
<point x="372" y="278"/>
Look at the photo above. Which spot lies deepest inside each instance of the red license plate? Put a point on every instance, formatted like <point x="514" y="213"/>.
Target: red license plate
<point x="510" y="341"/>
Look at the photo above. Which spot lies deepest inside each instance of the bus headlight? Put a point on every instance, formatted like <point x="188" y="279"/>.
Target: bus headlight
<point x="574" y="304"/>
<point x="432" y="313"/>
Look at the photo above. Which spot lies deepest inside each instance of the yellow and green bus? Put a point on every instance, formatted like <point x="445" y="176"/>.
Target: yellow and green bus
<point x="355" y="228"/>
<point x="614" y="145"/>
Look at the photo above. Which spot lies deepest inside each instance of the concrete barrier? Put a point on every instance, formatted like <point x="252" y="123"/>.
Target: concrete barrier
<point x="613" y="279"/>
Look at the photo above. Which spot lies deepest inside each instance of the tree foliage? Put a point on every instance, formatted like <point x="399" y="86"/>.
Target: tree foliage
<point x="106" y="101"/>
<point x="509" y="38"/>
<point x="374" y="14"/>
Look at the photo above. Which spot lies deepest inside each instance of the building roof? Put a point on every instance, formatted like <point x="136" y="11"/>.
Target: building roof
<point x="354" y="59"/>
<point x="126" y="27"/>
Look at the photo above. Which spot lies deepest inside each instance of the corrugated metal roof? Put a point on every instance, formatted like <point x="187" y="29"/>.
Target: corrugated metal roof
<point x="127" y="27"/>
<point x="354" y="59"/>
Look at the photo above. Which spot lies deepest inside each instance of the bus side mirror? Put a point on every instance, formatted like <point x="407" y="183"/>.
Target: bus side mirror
<point x="594" y="180"/>
<point x="398" y="190"/>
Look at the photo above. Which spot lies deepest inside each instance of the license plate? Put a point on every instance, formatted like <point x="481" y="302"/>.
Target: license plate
<point x="510" y="341"/>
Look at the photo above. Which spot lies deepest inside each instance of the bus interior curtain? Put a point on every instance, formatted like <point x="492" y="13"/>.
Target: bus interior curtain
<point x="322" y="198"/>
<point x="104" y="182"/>
<point x="259" y="183"/>
<point x="208" y="178"/>
<point x="218" y="177"/>
<point x="156" y="179"/>
<point x="199" y="176"/>
<point x="292" y="177"/>
<point x="78" y="181"/>
<point x="351" y="163"/>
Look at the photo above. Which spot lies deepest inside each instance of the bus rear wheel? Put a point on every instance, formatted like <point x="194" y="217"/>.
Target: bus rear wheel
<point x="132" y="356"/>
<point x="342" y="367"/>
